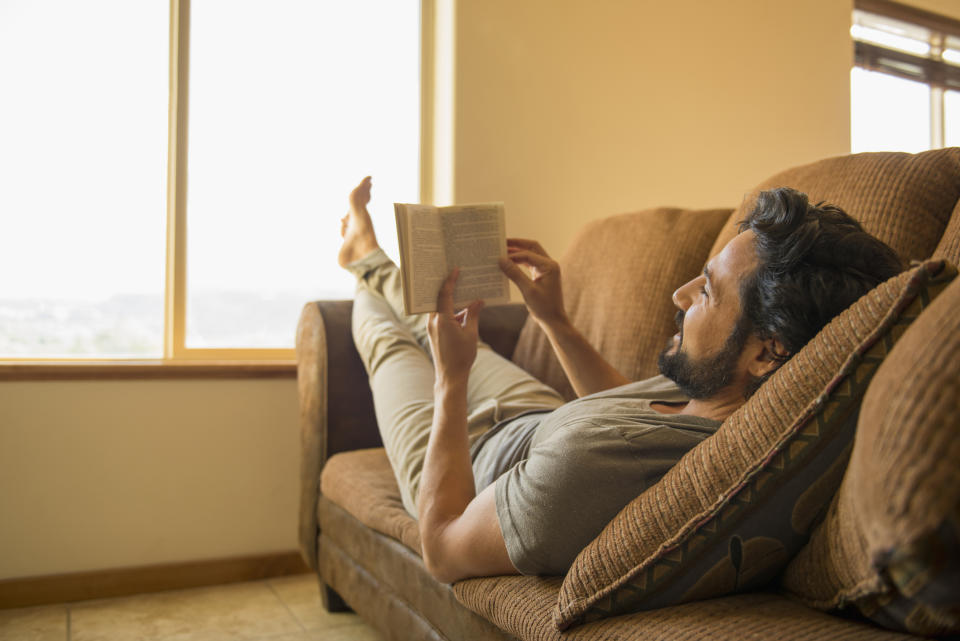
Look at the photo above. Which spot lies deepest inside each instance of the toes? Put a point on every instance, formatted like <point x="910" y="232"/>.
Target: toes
<point x="360" y="196"/>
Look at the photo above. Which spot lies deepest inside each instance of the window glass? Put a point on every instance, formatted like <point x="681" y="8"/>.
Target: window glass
<point x="83" y="138"/>
<point x="289" y="109"/>
<point x="951" y="117"/>
<point x="951" y="51"/>
<point x="888" y="113"/>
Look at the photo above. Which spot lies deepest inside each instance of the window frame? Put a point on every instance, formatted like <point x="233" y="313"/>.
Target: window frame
<point x="930" y="70"/>
<point x="177" y="359"/>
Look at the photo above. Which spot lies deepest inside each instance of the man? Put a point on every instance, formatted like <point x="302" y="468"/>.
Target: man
<point x="503" y="476"/>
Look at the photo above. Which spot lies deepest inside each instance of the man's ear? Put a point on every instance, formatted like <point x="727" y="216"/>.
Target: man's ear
<point x="770" y="356"/>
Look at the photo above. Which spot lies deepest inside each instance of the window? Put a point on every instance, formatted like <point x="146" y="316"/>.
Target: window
<point x="83" y="161"/>
<point x="173" y="172"/>
<point x="905" y="85"/>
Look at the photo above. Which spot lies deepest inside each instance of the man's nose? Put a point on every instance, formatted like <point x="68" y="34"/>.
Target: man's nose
<point x="681" y="296"/>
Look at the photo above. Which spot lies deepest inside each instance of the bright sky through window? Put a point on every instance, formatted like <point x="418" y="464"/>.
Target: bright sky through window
<point x="888" y="113"/>
<point x="289" y="109"/>
<point x="902" y="88"/>
<point x="291" y="103"/>
<point x="83" y="161"/>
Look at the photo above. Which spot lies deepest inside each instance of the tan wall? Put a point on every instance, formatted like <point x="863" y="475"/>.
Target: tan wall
<point x="114" y="474"/>
<point x="574" y="110"/>
<point x="566" y="110"/>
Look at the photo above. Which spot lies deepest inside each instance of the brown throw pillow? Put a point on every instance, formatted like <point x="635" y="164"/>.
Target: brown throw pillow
<point x="890" y="545"/>
<point x="730" y="515"/>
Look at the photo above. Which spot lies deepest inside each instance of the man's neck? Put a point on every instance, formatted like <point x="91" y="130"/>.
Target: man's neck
<point x="717" y="407"/>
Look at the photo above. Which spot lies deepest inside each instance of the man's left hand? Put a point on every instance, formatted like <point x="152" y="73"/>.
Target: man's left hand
<point x="453" y="335"/>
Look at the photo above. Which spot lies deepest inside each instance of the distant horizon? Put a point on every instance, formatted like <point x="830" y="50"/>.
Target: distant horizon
<point x="131" y="325"/>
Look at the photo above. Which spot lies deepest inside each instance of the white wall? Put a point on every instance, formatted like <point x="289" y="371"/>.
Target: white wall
<point x="103" y="474"/>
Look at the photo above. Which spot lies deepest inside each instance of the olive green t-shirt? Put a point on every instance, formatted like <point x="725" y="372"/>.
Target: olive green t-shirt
<point x="562" y="475"/>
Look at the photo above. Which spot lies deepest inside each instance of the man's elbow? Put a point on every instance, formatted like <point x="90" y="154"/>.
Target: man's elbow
<point x="439" y="567"/>
<point x="440" y="557"/>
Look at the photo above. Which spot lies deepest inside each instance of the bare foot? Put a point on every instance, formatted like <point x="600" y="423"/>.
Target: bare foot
<point x="356" y="228"/>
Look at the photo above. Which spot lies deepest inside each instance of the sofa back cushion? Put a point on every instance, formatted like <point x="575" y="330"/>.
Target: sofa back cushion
<point x="735" y="509"/>
<point x="891" y="542"/>
<point x="618" y="278"/>
<point x="949" y="247"/>
<point x="905" y="200"/>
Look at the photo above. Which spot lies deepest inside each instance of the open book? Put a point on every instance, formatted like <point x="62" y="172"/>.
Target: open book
<point x="434" y="240"/>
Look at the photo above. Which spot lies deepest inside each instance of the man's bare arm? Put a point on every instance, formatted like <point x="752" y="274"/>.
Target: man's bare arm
<point x="586" y="368"/>
<point x="459" y="530"/>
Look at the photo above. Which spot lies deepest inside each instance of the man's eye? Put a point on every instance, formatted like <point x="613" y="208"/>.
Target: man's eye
<point x="703" y="289"/>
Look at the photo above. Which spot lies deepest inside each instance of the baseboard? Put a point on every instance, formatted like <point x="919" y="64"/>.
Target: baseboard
<point x="100" y="584"/>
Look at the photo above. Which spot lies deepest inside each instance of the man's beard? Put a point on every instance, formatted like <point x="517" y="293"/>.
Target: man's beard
<point x="703" y="378"/>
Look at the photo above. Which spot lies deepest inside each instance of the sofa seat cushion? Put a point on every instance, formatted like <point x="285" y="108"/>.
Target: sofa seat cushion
<point x="386" y="582"/>
<point x="523" y="606"/>
<point x="363" y="484"/>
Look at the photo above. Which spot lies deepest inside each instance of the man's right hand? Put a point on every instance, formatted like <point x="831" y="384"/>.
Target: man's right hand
<point x="587" y="370"/>
<point x="541" y="289"/>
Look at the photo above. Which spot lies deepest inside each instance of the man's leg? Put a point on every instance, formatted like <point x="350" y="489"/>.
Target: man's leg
<point x="376" y="272"/>
<point x="395" y="353"/>
<point x="362" y="256"/>
<point x="401" y="380"/>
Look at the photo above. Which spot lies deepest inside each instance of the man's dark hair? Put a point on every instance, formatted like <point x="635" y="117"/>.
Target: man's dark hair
<point x="814" y="262"/>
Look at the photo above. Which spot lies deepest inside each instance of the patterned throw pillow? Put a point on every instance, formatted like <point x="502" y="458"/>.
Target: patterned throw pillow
<point x="890" y="545"/>
<point x="730" y="515"/>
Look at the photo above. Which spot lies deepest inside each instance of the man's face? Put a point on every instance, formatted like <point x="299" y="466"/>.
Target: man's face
<point x="706" y="355"/>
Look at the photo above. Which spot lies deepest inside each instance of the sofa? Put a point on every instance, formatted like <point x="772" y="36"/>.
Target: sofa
<point x="876" y="555"/>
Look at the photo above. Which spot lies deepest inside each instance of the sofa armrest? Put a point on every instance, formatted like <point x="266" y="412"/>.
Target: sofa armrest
<point x="336" y="407"/>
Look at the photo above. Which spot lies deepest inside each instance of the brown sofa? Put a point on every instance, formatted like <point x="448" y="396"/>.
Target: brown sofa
<point x="618" y="276"/>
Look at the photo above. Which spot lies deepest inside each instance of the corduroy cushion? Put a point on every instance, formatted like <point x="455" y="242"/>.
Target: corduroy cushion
<point x="362" y="483"/>
<point x="949" y="247"/>
<point x="891" y="542"/>
<point x="522" y="606"/>
<point x="734" y="510"/>
<point x="905" y="200"/>
<point x="618" y="278"/>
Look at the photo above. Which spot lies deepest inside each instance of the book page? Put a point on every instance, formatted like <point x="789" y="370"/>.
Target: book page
<point x="424" y="269"/>
<point x="475" y="238"/>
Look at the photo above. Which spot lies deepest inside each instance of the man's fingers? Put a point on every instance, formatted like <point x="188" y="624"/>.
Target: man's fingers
<point x="445" y="296"/>
<point x="526" y="243"/>
<point x="532" y="259"/>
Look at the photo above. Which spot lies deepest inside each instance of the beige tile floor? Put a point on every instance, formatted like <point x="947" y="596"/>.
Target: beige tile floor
<point x="282" y="609"/>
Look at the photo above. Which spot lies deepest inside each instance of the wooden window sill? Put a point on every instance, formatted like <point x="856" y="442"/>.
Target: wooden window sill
<point x="145" y="370"/>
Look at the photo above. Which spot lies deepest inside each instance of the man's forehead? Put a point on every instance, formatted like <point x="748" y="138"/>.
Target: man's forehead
<point x="737" y="258"/>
